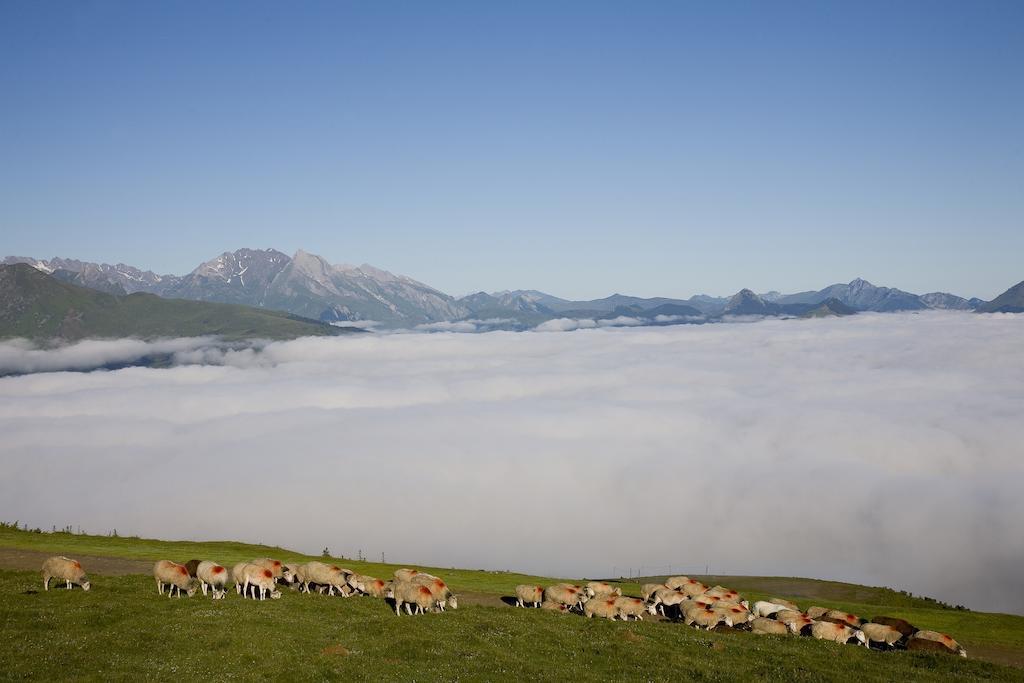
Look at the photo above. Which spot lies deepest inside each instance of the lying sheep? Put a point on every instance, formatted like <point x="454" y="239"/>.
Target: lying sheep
<point x="700" y="617"/>
<point x="175" y="577"/>
<point x="840" y="617"/>
<point x="666" y="597"/>
<point x="785" y="603"/>
<point x="632" y="607"/>
<point x="601" y="606"/>
<point x="840" y="633"/>
<point x="67" y="570"/>
<point x="765" y="626"/>
<point x="882" y="634"/>
<point x="529" y="594"/>
<point x="601" y="588"/>
<point x="564" y="593"/>
<point x="902" y="625"/>
<point x="763" y="608"/>
<point x="213" y="575"/>
<point x="413" y="595"/>
<point x="262" y="578"/>
<point x="648" y="589"/>
<point x="933" y="641"/>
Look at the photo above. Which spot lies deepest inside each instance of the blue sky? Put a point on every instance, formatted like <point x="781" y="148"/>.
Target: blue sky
<point x="581" y="148"/>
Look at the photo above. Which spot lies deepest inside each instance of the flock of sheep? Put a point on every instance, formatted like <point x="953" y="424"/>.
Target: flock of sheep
<point x="697" y="605"/>
<point x="679" y="598"/>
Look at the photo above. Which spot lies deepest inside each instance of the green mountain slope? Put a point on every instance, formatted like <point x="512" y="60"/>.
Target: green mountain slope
<point x="37" y="306"/>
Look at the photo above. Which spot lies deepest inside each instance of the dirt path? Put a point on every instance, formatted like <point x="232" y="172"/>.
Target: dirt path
<point x="32" y="560"/>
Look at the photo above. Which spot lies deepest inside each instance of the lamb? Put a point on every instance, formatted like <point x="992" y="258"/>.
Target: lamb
<point x="933" y="641"/>
<point x="840" y="633"/>
<point x="213" y="575"/>
<point x="841" y="617"/>
<point x="765" y="626"/>
<point x="632" y="607"/>
<point x="602" y="606"/>
<point x="413" y="594"/>
<point x="175" y="577"/>
<point x="260" y="577"/>
<point x="529" y="594"/>
<point x="67" y="570"/>
<point x="666" y="597"/>
<point x="564" y="593"/>
<point x="700" y="617"/>
<point x="763" y="608"/>
<point x="601" y="588"/>
<point x="647" y="590"/>
<point x="880" y="633"/>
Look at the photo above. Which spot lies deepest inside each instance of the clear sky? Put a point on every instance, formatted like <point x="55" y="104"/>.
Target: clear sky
<point x="581" y="148"/>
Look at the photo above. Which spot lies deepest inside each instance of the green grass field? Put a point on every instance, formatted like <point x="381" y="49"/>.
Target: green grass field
<point x="122" y="629"/>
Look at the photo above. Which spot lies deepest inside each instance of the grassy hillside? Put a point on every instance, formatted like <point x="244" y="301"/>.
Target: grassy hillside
<point x="37" y="306"/>
<point x="122" y="629"/>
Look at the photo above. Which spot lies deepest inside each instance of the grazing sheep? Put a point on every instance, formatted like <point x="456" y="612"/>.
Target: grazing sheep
<point x="67" y="570"/>
<point x="666" y="597"/>
<point x="933" y="641"/>
<point x="442" y="593"/>
<point x="765" y="626"/>
<point x="405" y="574"/>
<point x="841" y="617"/>
<point x="800" y="625"/>
<point x="292" y="574"/>
<point x="763" y="608"/>
<point x="677" y="582"/>
<point x="238" y="576"/>
<point x="413" y="595"/>
<point x="647" y="590"/>
<point x="700" y="617"/>
<point x="257" y="576"/>
<point x="817" y="612"/>
<point x="738" y="615"/>
<point x="192" y="566"/>
<point x="213" y="575"/>
<point x="785" y="603"/>
<point x="565" y="593"/>
<point x="901" y="625"/>
<point x="726" y="595"/>
<point x="529" y="594"/>
<point x="275" y="566"/>
<point x="175" y="577"/>
<point x="882" y="634"/>
<point x="602" y="606"/>
<point x="632" y="607"/>
<point x="840" y="633"/>
<point x="554" y="606"/>
<point x="601" y="588"/>
<point x="785" y="615"/>
<point x="692" y="588"/>
<point x="331" y="577"/>
<point x="372" y="586"/>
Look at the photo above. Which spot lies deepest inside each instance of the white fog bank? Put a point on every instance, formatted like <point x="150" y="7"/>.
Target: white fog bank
<point x="882" y="449"/>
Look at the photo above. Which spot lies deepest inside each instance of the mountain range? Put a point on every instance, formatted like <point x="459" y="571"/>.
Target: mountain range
<point x="309" y="286"/>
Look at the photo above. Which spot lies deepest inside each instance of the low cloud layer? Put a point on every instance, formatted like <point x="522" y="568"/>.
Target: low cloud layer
<point x="881" y="449"/>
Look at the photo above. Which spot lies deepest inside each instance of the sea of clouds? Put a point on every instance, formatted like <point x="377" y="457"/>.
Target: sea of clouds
<point x="883" y="448"/>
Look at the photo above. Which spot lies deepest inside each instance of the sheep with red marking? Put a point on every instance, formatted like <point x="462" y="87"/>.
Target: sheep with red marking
<point x="372" y="586"/>
<point x="529" y="594"/>
<point x="881" y="634"/>
<point x="566" y="594"/>
<point x="213" y="576"/>
<point x="666" y="597"/>
<point x="260" y="578"/>
<point x="442" y="593"/>
<point x="648" y="589"/>
<point x="841" y="617"/>
<point x="175" y="577"/>
<point x="677" y="582"/>
<point x="703" y="617"/>
<point x="275" y="566"/>
<point x="416" y="597"/>
<point x="405" y="574"/>
<point x="594" y="588"/>
<point x="632" y="607"/>
<point x="785" y="603"/>
<point x="836" y="632"/>
<point x="67" y="570"/>
<point x="739" y="616"/>
<point x="602" y="606"/>
<point x="933" y="641"/>
<point x="554" y="606"/>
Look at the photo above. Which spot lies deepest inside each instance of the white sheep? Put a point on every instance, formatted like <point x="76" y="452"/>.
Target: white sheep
<point x="766" y="626"/>
<point x="439" y="588"/>
<point x="702" y="617"/>
<point x="840" y="616"/>
<point x="175" y="576"/>
<point x="213" y="575"/>
<point x="840" y="633"/>
<point x="666" y="597"/>
<point x="763" y="608"/>
<point x="677" y="582"/>
<point x="416" y="597"/>
<point x="262" y="578"/>
<point x="332" y="577"/>
<point x="67" y="570"/>
<point x="785" y="603"/>
<point x="601" y="588"/>
<point x="737" y="614"/>
<point x="275" y="566"/>
<point x="372" y="586"/>
<point x="880" y="633"/>
<point x="565" y="593"/>
<point x="933" y="641"/>
<point x="602" y="606"/>
<point x="648" y="589"/>
<point x="554" y="606"/>
<point x="238" y="576"/>
<point x="405" y="574"/>
<point x="529" y="594"/>
<point x="632" y="607"/>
